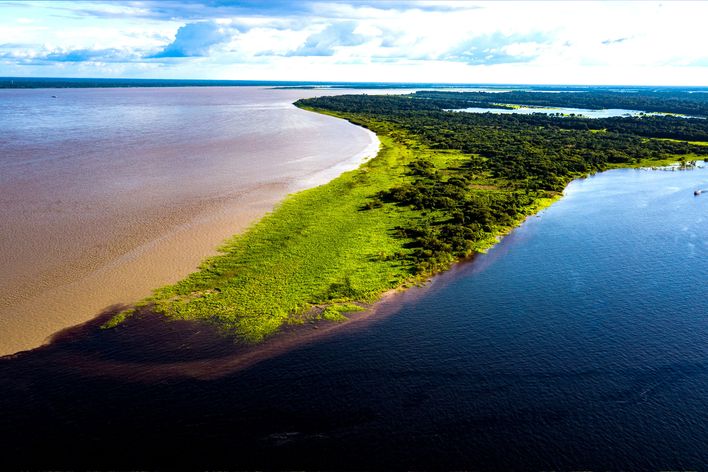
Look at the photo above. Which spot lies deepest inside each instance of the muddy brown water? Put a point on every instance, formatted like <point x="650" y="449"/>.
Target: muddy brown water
<point x="106" y="194"/>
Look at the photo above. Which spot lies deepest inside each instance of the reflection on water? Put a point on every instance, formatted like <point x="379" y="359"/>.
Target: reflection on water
<point x="579" y="342"/>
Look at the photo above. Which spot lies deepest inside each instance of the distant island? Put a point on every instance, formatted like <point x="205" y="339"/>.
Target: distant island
<point x="444" y="185"/>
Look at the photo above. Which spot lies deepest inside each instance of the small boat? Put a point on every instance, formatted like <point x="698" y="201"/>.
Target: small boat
<point x="697" y="192"/>
<point x="54" y="96"/>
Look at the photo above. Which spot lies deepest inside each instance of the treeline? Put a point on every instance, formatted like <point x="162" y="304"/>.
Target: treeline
<point x="666" y="101"/>
<point x="651" y="126"/>
<point x="530" y="151"/>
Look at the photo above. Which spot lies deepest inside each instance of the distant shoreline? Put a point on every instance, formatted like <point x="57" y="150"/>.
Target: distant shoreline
<point x="88" y="82"/>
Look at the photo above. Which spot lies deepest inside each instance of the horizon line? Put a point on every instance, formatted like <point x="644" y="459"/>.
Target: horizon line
<point x="327" y="83"/>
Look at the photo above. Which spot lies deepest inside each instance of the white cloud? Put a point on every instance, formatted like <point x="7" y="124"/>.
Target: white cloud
<point x="197" y="39"/>
<point x="579" y="42"/>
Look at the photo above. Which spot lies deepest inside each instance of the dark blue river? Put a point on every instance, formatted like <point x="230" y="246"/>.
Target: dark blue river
<point x="579" y="342"/>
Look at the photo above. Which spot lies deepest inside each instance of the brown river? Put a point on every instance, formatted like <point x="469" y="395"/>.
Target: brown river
<point x="106" y="194"/>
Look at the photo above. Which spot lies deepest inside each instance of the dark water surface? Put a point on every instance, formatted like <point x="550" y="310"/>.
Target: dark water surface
<point x="579" y="342"/>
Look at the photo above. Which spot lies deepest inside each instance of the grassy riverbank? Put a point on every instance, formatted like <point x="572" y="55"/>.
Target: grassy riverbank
<point x="410" y="212"/>
<point x="321" y="253"/>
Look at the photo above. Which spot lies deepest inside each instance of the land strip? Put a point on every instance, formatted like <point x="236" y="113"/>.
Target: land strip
<point x="443" y="186"/>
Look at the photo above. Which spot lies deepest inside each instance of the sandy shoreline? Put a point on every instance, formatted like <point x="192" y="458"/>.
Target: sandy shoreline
<point x="159" y="246"/>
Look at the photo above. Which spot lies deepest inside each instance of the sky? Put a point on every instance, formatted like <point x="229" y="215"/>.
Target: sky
<point x="589" y="42"/>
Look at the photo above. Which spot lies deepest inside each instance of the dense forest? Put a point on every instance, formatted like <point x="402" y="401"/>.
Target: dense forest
<point x="536" y="151"/>
<point x="510" y="161"/>
<point x="663" y="101"/>
<point x="405" y="109"/>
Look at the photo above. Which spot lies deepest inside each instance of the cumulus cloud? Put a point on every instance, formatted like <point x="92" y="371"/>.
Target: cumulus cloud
<point x="35" y="55"/>
<point x="428" y="40"/>
<point x="498" y="48"/>
<point x="86" y="55"/>
<point x="325" y="42"/>
<point x="195" y="39"/>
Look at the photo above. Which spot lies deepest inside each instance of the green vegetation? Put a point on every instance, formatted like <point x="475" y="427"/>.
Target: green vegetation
<point x="119" y="318"/>
<point x="319" y="247"/>
<point x="682" y="102"/>
<point x="443" y="186"/>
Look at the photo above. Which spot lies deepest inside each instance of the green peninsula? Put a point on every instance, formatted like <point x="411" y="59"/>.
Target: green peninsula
<point x="443" y="186"/>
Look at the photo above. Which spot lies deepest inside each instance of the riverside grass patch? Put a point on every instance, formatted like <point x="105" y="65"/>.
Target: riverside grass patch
<point x="318" y="247"/>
